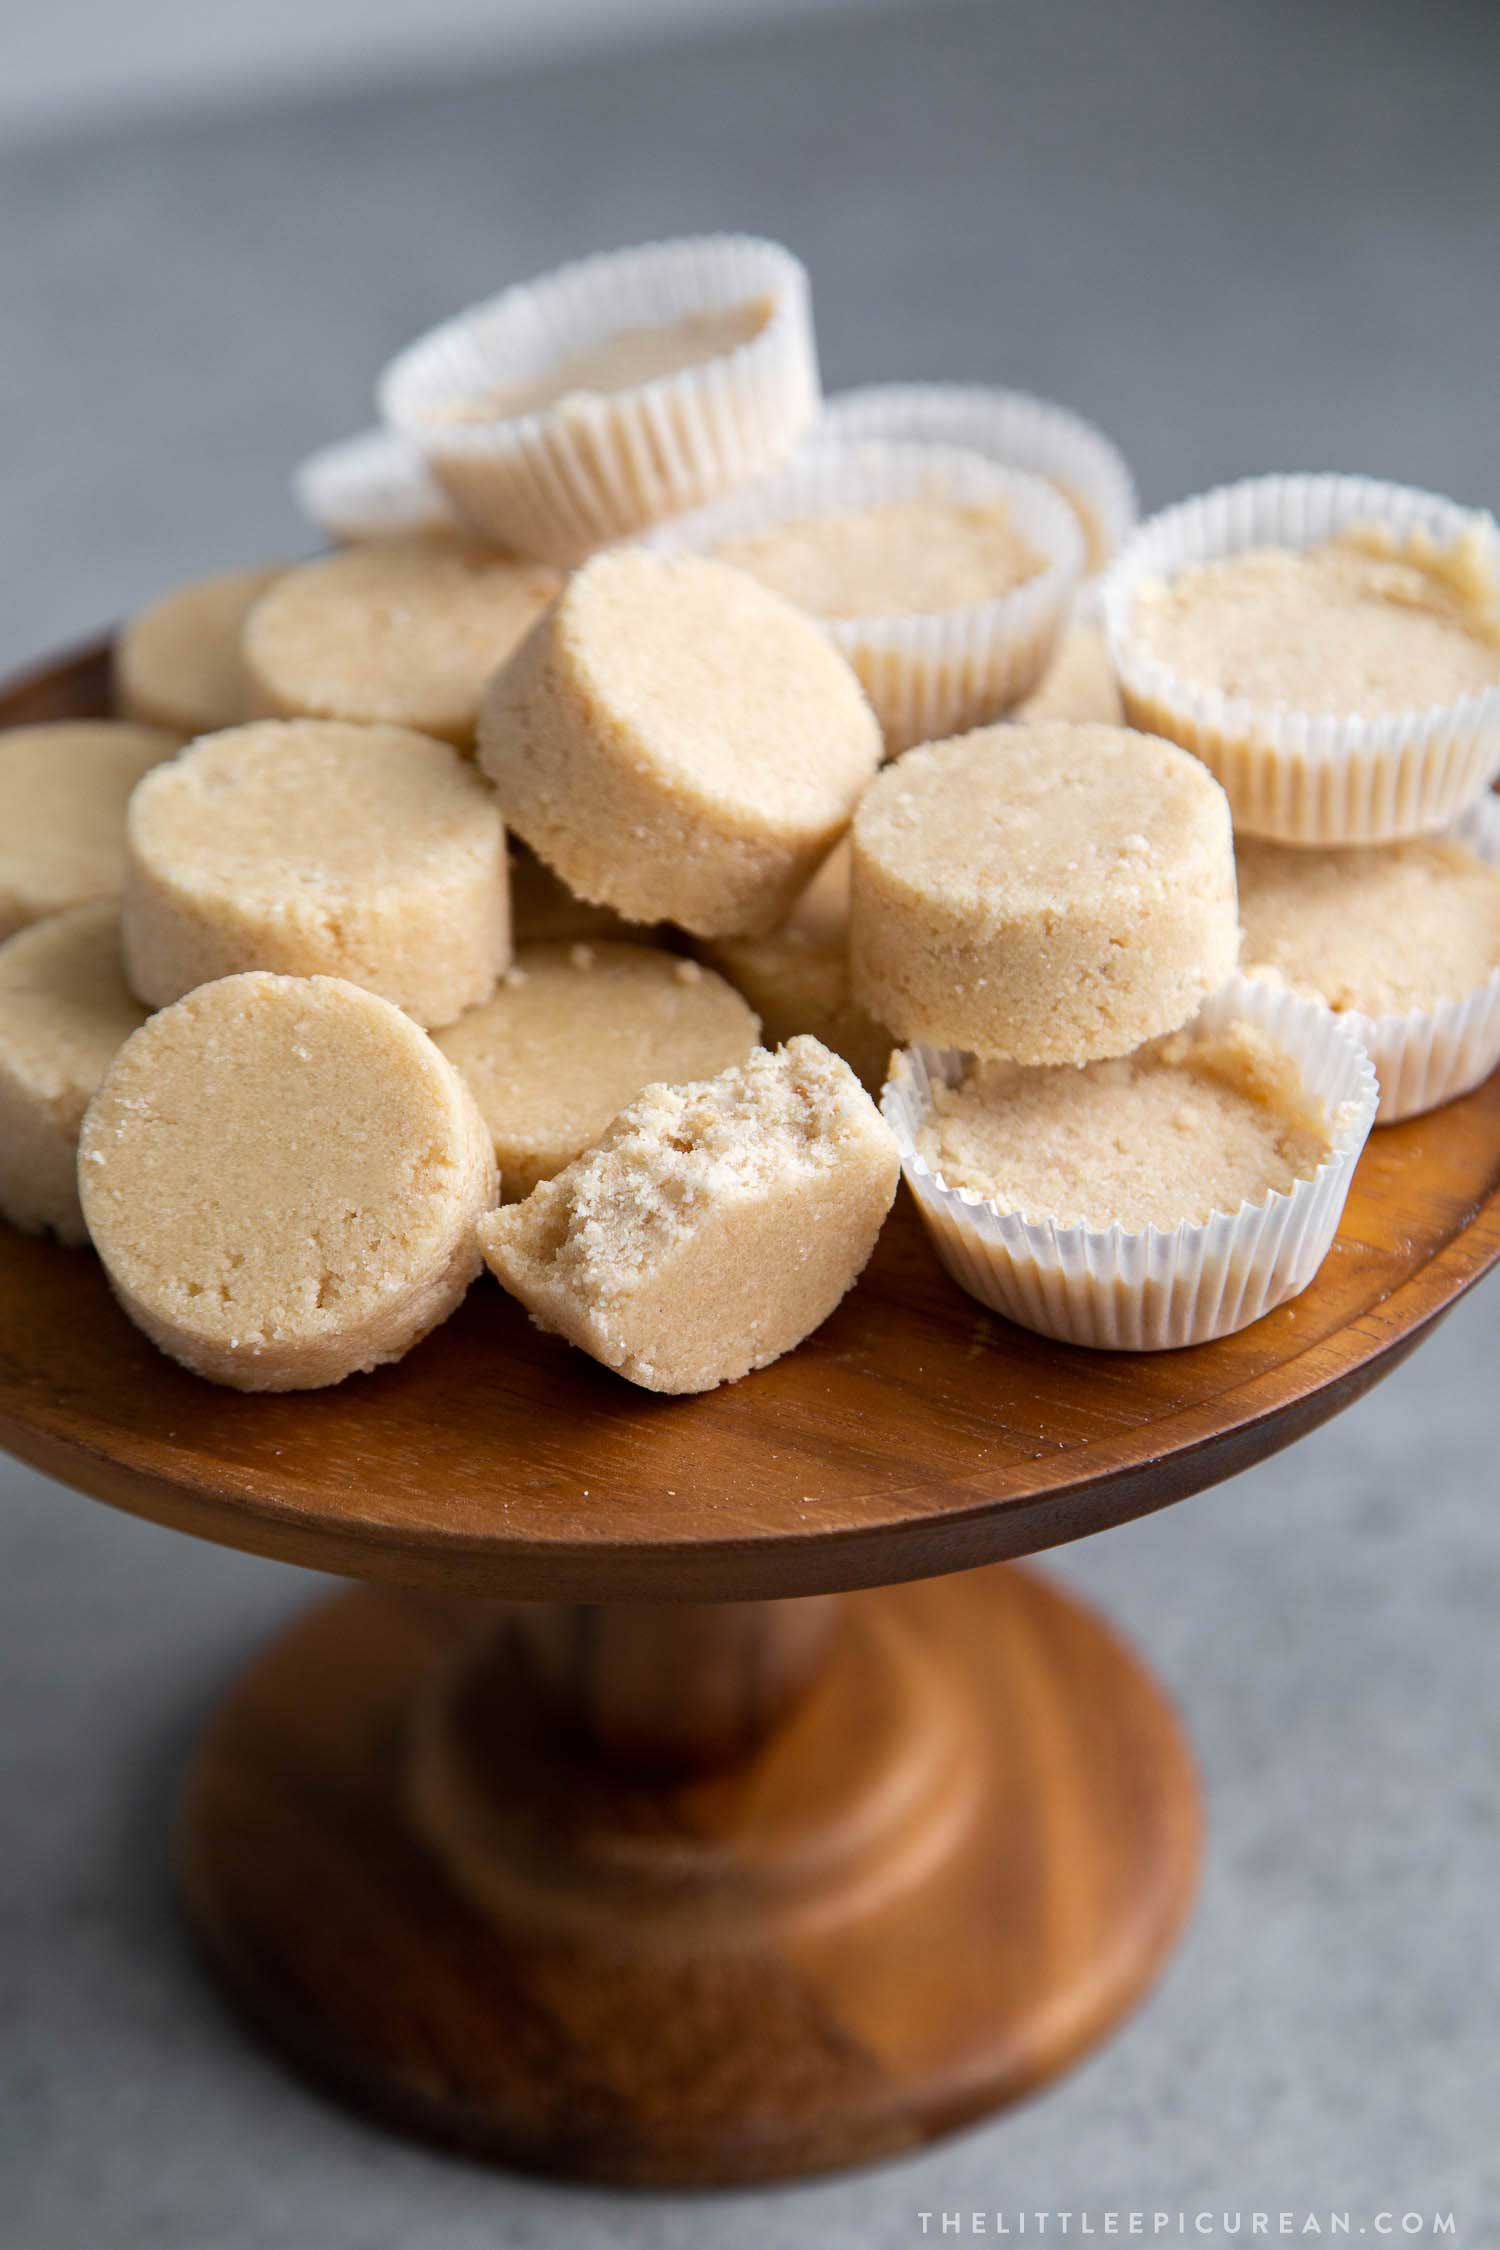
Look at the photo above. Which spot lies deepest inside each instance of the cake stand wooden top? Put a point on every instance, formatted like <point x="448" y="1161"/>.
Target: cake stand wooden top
<point x="915" y="1433"/>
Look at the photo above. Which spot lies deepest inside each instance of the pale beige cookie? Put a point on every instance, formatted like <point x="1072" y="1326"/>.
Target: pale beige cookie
<point x="1180" y="1129"/>
<point x="1328" y="645"/>
<point x="1401" y="941"/>
<point x="902" y="558"/>
<point x="1358" y="625"/>
<point x="1046" y="893"/>
<point x="65" y="1010"/>
<point x="577" y="410"/>
<point x="63" y="793"/>
<point x="402" y="632"/>
<point x="1079" y="683"/>
<point x="714" y="1225"/>
<point x="574" y="1032"/>
<point x="315" y="848"/>
<point x="678" y="743"/>
<point x="1376" y="931"/>
<point x="177" y="664"/>
<point x="282" y="1176"/>
<point x="797" y="978"/>
<point x="1160" y="1199"/>
<point x="622" y="362"/>
<point x="1012" y="428"/>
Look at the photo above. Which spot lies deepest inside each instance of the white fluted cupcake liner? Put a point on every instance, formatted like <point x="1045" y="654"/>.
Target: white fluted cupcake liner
<point x="932" y="675"/>
<point x="1297" y="776"/>
<point x="1427" y="1056"/>
<point x="589" y="470"/>
<point x="1159" y="1288"/>
<point x="373" y="486"/>
<point x="1018" y="431"/>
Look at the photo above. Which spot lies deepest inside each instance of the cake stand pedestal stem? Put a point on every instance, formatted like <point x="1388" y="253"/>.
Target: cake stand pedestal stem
<point x="691" y="1894"/>
<point x="673" y="1686"/>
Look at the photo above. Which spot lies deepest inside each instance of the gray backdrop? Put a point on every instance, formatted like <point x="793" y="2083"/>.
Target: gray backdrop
<point x="1242" y="236"/>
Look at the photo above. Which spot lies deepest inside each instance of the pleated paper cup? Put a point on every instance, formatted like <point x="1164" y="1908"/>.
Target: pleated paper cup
<point x="374" y="486"/>
<point x="1158" y="1288"/>
<point x="1424" y="1057"/>
<point x="1305" y="777"/>
<point x="592" y="468"/>
<point x="1018" y="431"/>
<point x="935" y="674"/>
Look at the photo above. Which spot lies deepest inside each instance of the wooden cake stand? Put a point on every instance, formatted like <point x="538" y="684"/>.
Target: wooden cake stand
<point x="607" y="1829"/>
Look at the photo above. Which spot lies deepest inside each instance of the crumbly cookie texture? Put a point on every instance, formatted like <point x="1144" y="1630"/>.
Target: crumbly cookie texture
<point x="1161" y="1138"/>
<point x="399" y="632"/>
<point x="904" y="558"/>
<point x="310" y="847"/>
<point x="797" y="976"/>
<point x="177" y="664"/>
<point x="713" y="1227"/>
<point x="282" y="1176"/>
<point x="1049" y="894"/>
<point x="63" y="793"/>
<point x="621" y="362"/>
<point x="1380" y="930"/>
<point x="1357" y="626"/>
<point x="574" y="1032"/>
<point x="678" y="743"/>
<point x="1079" y="684"/>
<point x="65" y="1012"/>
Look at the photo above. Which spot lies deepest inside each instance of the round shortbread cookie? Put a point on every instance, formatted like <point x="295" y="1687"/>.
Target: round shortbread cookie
<point x="578" y="409"/>
<point x="314" y="848"/>
<point x="177" y="664"/>
<point x="712" y="1227"/>
<point x="1048" y="894"/>
<point x="65" y="1012"/>
<point x="63" y="793"/>
<point x="893" y="558"/>
<point x="1360" y="624"/>
<point x="1376" y="928"/>
<point x="678" y="743"/>
<point x="574" y="1032"/>
<point x="403" y="632"/>
<point x="1165" y="1137"/>
<point x="282" y="1176"/>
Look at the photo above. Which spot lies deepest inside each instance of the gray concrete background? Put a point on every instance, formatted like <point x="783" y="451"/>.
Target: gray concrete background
<point x="66" y="64"/>
<point x="1243" y="237"/>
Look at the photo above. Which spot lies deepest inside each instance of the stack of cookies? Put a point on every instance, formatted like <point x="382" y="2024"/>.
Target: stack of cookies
<point x="1111" y="1137"/>
<point x="545" y="877"/>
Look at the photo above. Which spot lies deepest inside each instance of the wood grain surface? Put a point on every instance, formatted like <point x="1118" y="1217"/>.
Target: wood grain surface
<point x="915" y="1433"/>
<point x="955" y="1865"/>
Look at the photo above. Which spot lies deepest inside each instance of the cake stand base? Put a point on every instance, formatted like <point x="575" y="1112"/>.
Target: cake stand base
<point x="691" y="1894"/>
